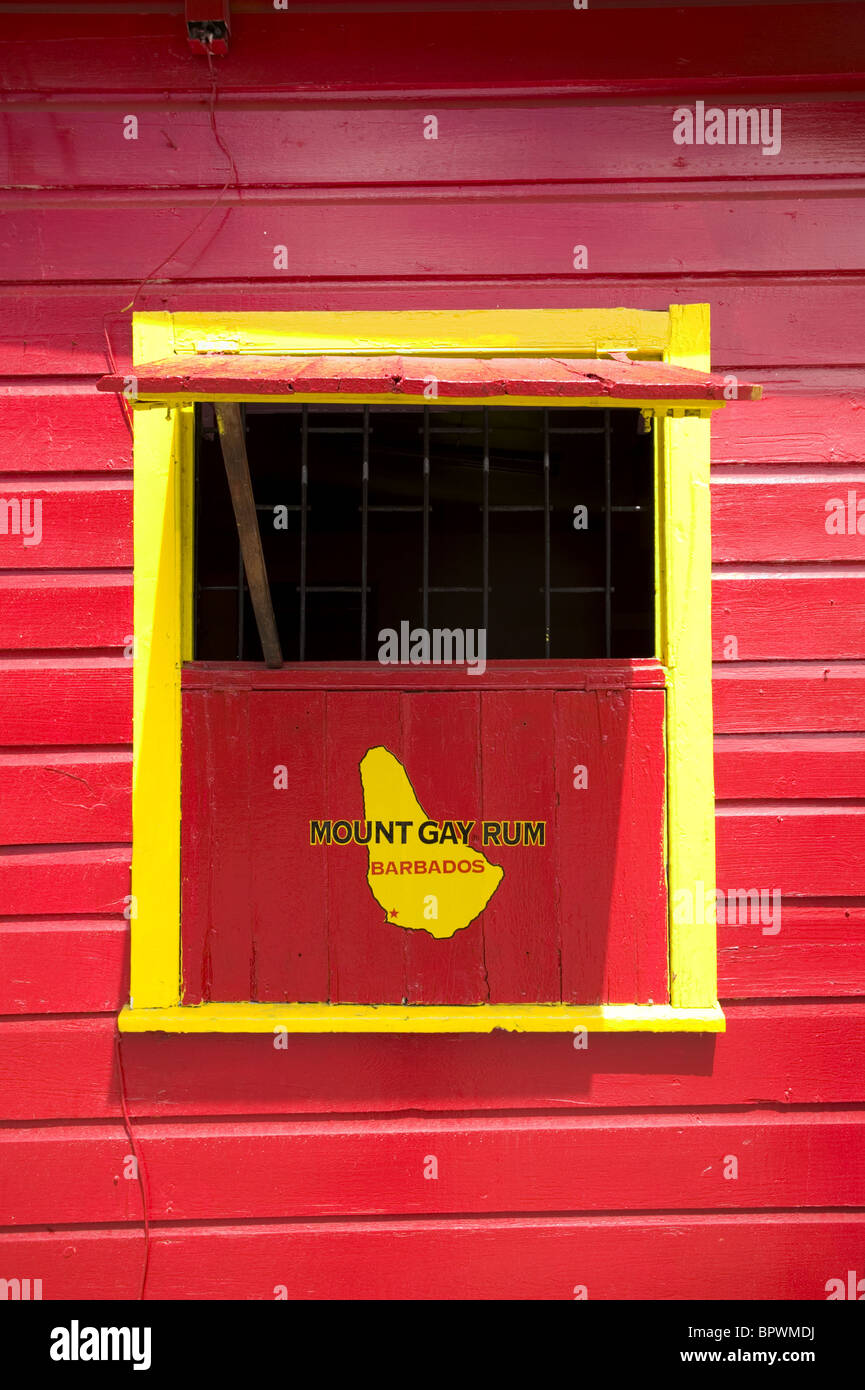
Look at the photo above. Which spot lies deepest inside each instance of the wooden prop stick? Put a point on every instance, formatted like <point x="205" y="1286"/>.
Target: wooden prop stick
<point x="230" y="425"/>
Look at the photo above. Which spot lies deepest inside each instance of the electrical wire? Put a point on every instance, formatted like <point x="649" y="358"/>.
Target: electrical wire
<point x="139" y="1163"/>
<point x="232" y="179"/>
<point x="112" y="364"/>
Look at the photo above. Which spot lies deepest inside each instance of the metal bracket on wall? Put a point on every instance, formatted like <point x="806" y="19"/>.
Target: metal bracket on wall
<point x="208" y="25"/>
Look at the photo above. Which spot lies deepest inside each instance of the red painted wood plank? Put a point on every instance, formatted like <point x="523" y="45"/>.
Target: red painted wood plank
<point x="777" y="697"/>
<point x="199" y="812"/>
<point x="268" y="375"/>
<point x="761" y="613"/>
<point x="759" y="320"/>
<point x="290" y="1169"/>
<point x="65" y="795"/>
<point x="75" y="610"/>
<point x="803" y="849"/>
<point x="285" y="786"/>
<point x="45" y="880"/>
<point x="611" y="846"/>
<point x="80" y="1051"/>
<point x="95" y="1187"/>
<point x="80" y="523"/>
<point x="642" y="673"/>
<point x="522" y="925"/>
<point x="84" y="145"/>
<point x="761" y="515"/>
<point x="54" y="700"/>
<point x="228" y="966"/>
<point x="46" y="430"/>
<point x="76" y="239"/>
<point x="753" y="767"/>
<point x="366" y="952"/>
<point x="221" y="1074"/>
<point x="443" y="754"/>
<point x="105" y="1264"/>
<point x="72" y="966"/>
<point x="620" y="1258"/>
<point x="818" y="949"/>
<point x="550" y="1258"/>
<point x="821" y="50"/>
<point x="806" y="427"/>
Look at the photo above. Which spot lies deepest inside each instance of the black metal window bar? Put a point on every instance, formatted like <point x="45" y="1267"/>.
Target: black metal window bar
<point x="429" y="431"/>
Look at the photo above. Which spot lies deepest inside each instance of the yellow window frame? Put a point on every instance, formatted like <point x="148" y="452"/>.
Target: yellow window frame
<point x="163" y="620"/>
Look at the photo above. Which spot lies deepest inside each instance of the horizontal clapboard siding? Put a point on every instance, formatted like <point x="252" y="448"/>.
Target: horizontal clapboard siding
<point x="817" y="47"/>
<point x="611" y="1257"/>
<point x="83" y="522"/>
<point x="761" y="514"/>
<point x="777" y="767"/>
<point x="48" y="797"/>
<point x="789" y="949"/>
<point x="45" y="429"/>
<point x="65" y="610"/>
<point x="477" y="232"/>
<point x="788" y="696"/>
<point x="47" y="879"/>
<point x="770" y="321"/>
<point x="806" y="428"/>
<point x="63" y="965"/>
<point x="65" y="700"/>
<point x="803" y="849"/>
<point x="769" y="613"/>
<point x="86" y="145"/>
<point x="809" y="1054"/>
<point x="205" y="1171"/>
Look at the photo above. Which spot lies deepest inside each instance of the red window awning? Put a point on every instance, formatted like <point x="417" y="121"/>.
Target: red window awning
<point x="248" y="376"/>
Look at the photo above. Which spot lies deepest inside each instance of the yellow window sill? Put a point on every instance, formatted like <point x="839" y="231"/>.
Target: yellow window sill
<point x="417" y="1018"/>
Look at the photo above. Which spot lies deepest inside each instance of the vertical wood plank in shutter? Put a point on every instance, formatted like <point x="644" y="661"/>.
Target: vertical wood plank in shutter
<point x="288" y="905"/>
<point x="227" y="964"/>
<point x="442" y="742"/>
<point x="196" y="850"/>
<point x="520" y="924"/>
<point x="610" y="846"/>
<point x="367" y="961"/>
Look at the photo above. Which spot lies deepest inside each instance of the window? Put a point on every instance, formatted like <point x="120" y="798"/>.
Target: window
<point x="262" y="906"/>
<point x="533" y="526"/>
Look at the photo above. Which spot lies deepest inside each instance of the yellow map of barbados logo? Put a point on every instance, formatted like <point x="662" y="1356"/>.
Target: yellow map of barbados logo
<point x="422" y="880"/>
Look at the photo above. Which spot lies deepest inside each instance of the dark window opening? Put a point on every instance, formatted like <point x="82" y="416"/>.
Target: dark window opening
<point x="536" y="525"/>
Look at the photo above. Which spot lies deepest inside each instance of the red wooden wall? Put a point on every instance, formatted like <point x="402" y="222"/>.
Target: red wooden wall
<point x="297" y="1167"/>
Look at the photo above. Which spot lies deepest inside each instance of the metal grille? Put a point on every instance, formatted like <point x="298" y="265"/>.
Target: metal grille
<point x="430" y="427"/>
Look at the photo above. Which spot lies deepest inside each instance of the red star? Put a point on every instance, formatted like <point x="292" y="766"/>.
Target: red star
<point x="393" y="912"/>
